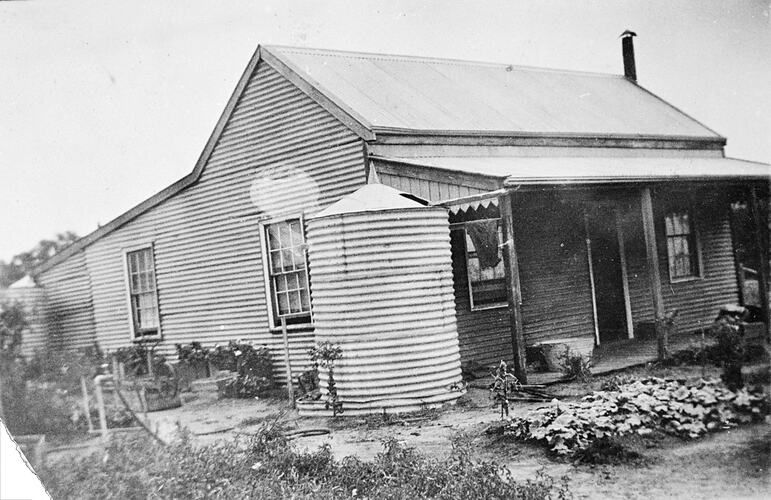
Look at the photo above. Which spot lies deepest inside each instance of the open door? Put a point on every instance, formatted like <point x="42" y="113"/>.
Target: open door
<point x="608" y="274"/>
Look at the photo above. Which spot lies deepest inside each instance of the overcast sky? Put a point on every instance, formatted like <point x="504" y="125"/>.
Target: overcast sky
<point x="105" y="103"/>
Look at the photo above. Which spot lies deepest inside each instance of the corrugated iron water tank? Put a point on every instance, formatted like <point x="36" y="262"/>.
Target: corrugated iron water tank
<point x="382" y="290"/>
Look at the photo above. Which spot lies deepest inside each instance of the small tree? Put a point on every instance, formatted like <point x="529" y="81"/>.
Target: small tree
<point x="324" y="355"/>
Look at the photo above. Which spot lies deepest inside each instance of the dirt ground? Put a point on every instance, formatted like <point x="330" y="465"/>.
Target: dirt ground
<point x="730" y="464"/>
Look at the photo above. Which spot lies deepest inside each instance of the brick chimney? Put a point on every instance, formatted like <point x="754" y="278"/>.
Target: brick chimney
<point x="627" y="51"/>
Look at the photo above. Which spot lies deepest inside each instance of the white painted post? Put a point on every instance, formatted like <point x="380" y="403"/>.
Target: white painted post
<point x="289" y="385"/>
<point x="100" y="405"/>
<point x="86" y="408"/>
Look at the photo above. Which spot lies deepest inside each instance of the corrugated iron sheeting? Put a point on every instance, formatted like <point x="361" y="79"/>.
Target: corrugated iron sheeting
<point x="399" y="92"/>
<point x="70" y="307"/>
<point x="381" y="287"/>
<point x="206" y="238"/>
<point x="35" y="336"/>
<point x="562" y="170"/>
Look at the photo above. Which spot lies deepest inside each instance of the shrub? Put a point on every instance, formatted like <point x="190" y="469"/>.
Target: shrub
<point x="192" y="353"/>
<point x="731" y="351"/>
<point x="134" y="359"/>
<point x="324" y="355"/>
<point x="266" y="466"/>
<point x="64" y="368"/>
<point x="641" y="407"/>
<point x="575" y="366"/>
<point x="255" y="371"/>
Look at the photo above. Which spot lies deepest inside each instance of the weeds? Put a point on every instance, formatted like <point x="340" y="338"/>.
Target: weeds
<point x="266" y="466"/>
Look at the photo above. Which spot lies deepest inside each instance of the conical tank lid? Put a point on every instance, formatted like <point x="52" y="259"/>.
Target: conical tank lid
<point x="25" y="282"/>
<point x="370" y="198"/>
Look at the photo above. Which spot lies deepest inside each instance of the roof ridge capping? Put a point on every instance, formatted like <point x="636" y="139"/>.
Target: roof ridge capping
<point x="437" y="60"/>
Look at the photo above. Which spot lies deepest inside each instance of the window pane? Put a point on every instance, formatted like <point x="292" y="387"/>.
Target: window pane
<point x="273" y="237"/>
<point x="487" y="283"/>
<point x="294" y="302"/>
<point x="297" y="236"/>
<point x="283" y="303"/>
<point x="285" y="236"/>
<point x="670" y="227"/>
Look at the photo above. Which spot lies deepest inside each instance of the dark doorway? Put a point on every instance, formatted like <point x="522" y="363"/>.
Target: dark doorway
<point x="608" y="275"/>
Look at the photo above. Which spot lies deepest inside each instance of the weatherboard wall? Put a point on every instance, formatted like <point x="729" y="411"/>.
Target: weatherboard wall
<point x="70" y="307"/>
<point x="280" y="155"/>
<point x="698" y="300"/>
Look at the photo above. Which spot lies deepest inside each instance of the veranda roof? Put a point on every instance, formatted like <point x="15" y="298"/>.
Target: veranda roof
<point x="595" y="170"/>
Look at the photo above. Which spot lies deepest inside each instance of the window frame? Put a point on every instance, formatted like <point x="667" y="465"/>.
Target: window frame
<point x="461" y="226"/>
<point x="142" y="337"/>
<point x="693" y="240"/>
<point x="274" y="324"/>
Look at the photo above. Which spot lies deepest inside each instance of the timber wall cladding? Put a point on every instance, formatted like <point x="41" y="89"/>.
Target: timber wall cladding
<point x="484" y="336"/>
<point x="698" y="301"/>
<point x="553" y="268"/>
<point x="70" y="309"/>
<point x="206" y="238"/>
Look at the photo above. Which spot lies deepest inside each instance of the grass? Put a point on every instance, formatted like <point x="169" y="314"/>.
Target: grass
<point x="266" y="466"/>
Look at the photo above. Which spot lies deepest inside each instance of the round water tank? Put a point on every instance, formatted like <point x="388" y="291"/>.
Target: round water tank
<point x="382" y="290"/>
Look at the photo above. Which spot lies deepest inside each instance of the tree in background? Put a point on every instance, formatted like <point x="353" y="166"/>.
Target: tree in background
<point x="23" y="263"/>
<point x="13" y="322"/>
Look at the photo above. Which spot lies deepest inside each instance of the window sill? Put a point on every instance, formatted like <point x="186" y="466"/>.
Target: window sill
<point x="490" y="306"/>
<point x="305" y="327"/>
<point x="688" y="279"/>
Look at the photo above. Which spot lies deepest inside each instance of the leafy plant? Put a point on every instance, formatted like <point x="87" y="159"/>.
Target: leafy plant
<point x="192" y="353"/>
<point x="504" y="383"/>
<point x="731" y="351"/>
<point x="134" y="359"/>
<point x="267" y="466"/>
<point x="255" y="370"/>
<point x="641" y="407"/>
<point x="575" y="366"/>
<point x="323" y="355"/>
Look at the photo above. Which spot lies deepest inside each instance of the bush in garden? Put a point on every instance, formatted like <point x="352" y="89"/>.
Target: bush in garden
<point x="266" y="466"/>
<point x="64" y="368"/>
<point x="255" y="371"/>
<point x="324" y="355"/>
<point x="641" y="407"/>
<point x="730" y="351"/>
<point x="134" y="360"/>
<point x="575" y="366"/>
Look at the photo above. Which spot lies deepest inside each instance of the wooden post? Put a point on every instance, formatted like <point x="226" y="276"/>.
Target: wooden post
<point x="651" y="250"/>
<point x="289" y="385"/>
<point x="86" y="407"/>
<point x="513" y="291"/>
<point x="592" y="286"/>
<point x="100" y="406"/>
<point x="760" y="244"/>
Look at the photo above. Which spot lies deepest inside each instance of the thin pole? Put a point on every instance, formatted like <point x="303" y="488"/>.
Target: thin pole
<point x="289" y="386"/>
<point x="86" y="408"/>
<point x="591" y="277"/>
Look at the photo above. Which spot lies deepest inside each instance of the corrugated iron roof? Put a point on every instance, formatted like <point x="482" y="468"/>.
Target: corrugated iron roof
<point x="401" y="93"/>
<point x="595" y="170"/>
